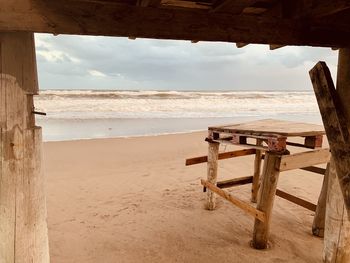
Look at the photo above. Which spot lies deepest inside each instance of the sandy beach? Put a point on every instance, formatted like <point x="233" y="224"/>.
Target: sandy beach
<point x="133" y="200"/>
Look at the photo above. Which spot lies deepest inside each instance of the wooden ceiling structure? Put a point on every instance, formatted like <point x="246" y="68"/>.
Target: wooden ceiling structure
<point x="323" y="23"/>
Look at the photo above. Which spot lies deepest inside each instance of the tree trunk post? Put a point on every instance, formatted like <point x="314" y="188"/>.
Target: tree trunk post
<point x="257" y="170"/>
<point x="212" y="173"/>
<point x="266" y="198"/>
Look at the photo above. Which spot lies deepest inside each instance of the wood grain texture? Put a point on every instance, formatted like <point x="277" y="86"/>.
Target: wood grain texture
<point x="335" y="124"/>
<point x="271" y="127"/>
<point x="318" y="224"/>
<point x="212" y="173"/>
<point x="22" y="196"/>
<point x="337" y="225"/>
<point x="221" y="156"/>
<point x="259" y="215"/>
<point x="123" y="18"/>
<point x="266" y="199"/>
<point x="257" y="171"/>
<point x="304" y="159"/>
<point x="296" y="200"/>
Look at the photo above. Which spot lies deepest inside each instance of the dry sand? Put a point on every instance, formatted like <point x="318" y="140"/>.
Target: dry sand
<point x="133" y="200"/>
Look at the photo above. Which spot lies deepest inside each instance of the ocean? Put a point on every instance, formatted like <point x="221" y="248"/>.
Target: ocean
<point x="87" y="114"/>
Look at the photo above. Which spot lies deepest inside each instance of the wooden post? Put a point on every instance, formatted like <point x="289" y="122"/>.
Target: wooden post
<point x="337" y="227"/>
<point x="23" y="227"/>
<point x="266" y="198"/>
<point x="212" y="172"/>
<point x="337" y="232"/>
<point x="335" y="110"/>
<point x="320" y="214"/>
<point x="257" y="169"/>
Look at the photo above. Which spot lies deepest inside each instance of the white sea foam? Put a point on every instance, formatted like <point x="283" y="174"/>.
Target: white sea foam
<point x="93" y="104"/>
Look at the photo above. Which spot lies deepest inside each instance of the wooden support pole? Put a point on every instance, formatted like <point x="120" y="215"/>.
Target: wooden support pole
<point x="266" y="198"/>
<point x="337" y="231"/>
<point x="337" y="226"/>
<point x="212" y="172"/>
<point x="23" y="227"/>
<point x="318" y="224"/>
<point x="257" y="169"/>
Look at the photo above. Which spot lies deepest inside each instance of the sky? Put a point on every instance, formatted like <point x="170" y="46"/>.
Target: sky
<point x="87" y="62"/>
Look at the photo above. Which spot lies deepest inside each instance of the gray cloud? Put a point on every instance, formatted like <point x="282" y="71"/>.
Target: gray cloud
<point x="119" y="63"/>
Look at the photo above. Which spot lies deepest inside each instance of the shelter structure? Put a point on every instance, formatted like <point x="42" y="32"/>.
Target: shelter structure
<point x="277" y="23"/>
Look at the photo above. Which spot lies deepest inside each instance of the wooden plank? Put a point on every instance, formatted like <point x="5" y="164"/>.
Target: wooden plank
<point x="145" y="3"/>
<point x="314" y="169"/>
<point x="257" y="171"/>
<point x="259" y="215"/>
<point x="318" y="224"/>
<point x="235" y="182"/>
<point x="266" y="198"/>
<point x="296" y="200"/>
<point x="185" y="4"/>
<point x="322" y="8"/>
<point x="304" y="159"/>
<point x="270" y="127"/>
<point x="118" y="19"/>
<point x="335" y="125"/>
<point x="212" y="172"/>
<point x="221" y="156"/>
<point x="300" y="145"/>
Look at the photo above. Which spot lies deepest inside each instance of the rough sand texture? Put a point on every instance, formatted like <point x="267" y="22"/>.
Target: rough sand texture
<point x="133" y="200"/>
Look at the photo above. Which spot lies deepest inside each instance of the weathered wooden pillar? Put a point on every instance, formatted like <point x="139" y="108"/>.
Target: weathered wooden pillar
<point x="212" y="172"/>
<point x="266" y="198"/>
<point x="23" y="227"/>
<point x="337" y="227"/>
<point x="337" y="231"/>
<point x="257" y="170"/>
<point x="318" y="224"/>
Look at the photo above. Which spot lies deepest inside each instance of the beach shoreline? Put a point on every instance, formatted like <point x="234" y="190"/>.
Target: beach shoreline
<point x="133" y="200"/>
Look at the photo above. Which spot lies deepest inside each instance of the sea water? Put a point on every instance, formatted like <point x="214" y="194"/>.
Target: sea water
<point x="85" y="114"/>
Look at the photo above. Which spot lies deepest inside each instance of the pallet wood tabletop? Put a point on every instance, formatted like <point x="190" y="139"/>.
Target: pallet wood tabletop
<point x="272" y="126"/>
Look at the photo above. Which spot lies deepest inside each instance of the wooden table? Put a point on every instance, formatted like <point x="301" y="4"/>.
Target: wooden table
<point x="270" y="143"/>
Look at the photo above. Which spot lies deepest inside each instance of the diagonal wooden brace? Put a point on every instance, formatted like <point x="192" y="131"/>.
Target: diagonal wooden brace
<point x="335" y="124"/>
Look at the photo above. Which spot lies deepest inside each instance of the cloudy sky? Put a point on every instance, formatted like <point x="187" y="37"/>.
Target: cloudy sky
<point x="76" y="62"/>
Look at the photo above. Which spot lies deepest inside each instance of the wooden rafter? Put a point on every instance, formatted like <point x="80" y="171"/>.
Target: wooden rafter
<point x="324" y="8"/>
<point x="74" y="17"/>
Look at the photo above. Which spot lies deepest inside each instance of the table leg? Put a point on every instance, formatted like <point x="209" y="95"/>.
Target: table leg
<point x="320" y="215"/>
<point x="266" y="198"/>
<point x="212" y="171"/>
<point x="257" y="169"/>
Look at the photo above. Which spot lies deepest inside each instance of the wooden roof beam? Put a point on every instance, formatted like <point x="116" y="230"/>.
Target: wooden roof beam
<point x="240" y="45"/>
<point x="146" y="3"/>
<point x="324" y="8"/>
<point x="274" y="47"/>
<point x="83" y="18"/>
